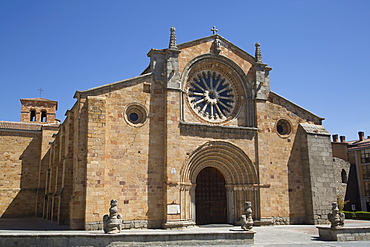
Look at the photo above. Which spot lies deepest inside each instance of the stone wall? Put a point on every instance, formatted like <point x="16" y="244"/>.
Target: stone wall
<point x="19" y="165"/>
<point x="56" y="175"/>
<point x="78" y="197"/>
<point x="121" y="169"/>
<point x="280" y="162"/>
<point x="341" y="175"/>
<point x="318" y="169"/>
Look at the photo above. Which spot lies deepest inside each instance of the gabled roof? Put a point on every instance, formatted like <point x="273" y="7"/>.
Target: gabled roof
<point x="226" y="43"/>
<point x="181" y="46"/>
<point x="118" y="84"/>
<point x="229" y="44"/>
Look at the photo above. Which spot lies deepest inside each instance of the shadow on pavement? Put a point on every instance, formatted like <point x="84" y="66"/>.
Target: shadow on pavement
<point x="30" y="224"/>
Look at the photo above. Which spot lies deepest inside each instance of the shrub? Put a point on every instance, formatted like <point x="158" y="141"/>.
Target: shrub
<point x="360" y="215"/>
<point x="349" y="215"/>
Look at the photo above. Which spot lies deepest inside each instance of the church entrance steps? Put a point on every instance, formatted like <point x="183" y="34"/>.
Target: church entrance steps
<point x="32" y="234"/>
<point x="214" y="234"/>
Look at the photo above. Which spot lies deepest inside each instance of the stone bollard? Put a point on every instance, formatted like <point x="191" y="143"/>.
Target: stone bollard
<point x="112" y="222"/>
<point x="246" y="219"/>
<point x="335" y="217"/>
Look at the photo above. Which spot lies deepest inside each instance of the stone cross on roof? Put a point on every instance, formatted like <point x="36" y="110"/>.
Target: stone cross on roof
<point x="40" y="91"/>
<point x="214" y="30"/>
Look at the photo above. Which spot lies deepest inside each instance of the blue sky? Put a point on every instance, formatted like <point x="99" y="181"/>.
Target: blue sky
<point x="318" y="49"/>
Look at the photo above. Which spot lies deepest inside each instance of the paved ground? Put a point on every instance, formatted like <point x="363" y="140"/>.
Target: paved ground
<point x="268" y="236"/>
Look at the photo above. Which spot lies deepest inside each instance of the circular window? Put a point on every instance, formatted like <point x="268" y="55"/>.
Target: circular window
<point x="133" y="117"/>
<point x="283" y="127"/>
<point x="211" y="96"/>
<point x="136" y="114"/>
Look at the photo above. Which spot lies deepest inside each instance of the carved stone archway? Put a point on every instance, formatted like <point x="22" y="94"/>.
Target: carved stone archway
<point x="236" y="167"/>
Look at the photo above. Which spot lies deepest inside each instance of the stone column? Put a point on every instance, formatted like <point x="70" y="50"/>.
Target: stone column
<point x="192" y="204"/>
<point x="230" y="205"/>
<point x="186" y="203"/>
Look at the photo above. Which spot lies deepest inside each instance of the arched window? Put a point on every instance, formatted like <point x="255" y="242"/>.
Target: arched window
<point x="344" y="176"/>
<point x="33" y="116"/>
<point x="43" y="116"/>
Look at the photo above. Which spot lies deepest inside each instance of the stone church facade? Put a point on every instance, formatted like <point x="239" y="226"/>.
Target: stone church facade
<point x="187" y="142"/>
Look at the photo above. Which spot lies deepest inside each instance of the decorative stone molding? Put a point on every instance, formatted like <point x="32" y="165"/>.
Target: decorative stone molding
<point x="258" y="53"/>
<point x="173" y="44"/>
<point x="229" y="159"/>
<point x="234" y="132"/>
<point x="216" y="45"/>
<point x="135" y="114"/>
<point x="262" y="77"/>
<point x="172" y="63"/>
<point x="284" y="128"/>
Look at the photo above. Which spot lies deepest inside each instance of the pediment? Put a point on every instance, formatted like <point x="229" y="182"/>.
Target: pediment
<point x="225" y="46"/>
<point x="216" y="45"/>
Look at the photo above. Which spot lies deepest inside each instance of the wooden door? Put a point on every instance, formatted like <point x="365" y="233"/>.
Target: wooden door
<point x="210" y="197"/>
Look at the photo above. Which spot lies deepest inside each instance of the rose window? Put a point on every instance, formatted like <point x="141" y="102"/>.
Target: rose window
<point x="211" y="96"/>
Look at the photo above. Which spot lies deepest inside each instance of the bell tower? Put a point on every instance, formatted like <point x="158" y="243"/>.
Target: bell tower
<point x="38" y="110"/>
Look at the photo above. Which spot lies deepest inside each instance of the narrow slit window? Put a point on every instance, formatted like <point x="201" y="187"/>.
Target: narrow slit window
<point x="33" y="116"/>
<point x="43" y="116"/>
<point x="344" y="176"/>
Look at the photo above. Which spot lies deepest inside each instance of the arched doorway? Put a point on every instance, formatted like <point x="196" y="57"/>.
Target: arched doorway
<point x="210" y="197"/>
<point x="236" y="170"/>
